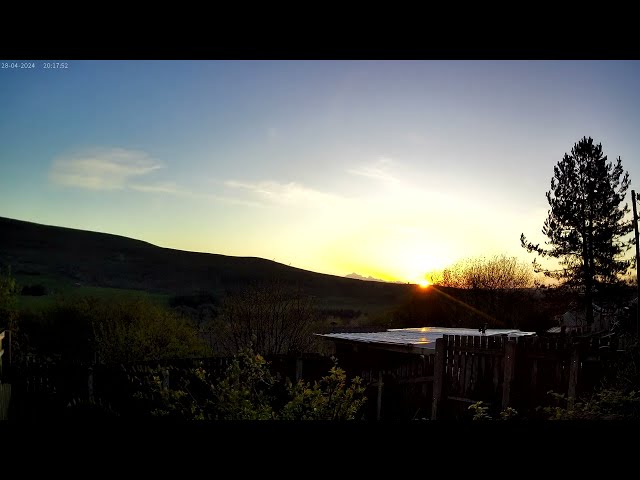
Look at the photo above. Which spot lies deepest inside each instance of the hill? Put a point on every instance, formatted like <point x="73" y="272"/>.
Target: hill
<point x="106" y="260"/>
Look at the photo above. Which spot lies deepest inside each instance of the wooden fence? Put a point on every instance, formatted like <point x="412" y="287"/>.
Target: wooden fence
<point x="5" y="341"/>
<point x="404" y="391"/>
<point x="515" y="372"/>
<point x="497" y="370"/>
<point x="501" y="372"/>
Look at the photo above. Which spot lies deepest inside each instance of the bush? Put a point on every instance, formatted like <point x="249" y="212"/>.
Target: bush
<point x="249" y="391"/>
<point x="8" y="291"/>
<point x="117" y="331"/>
<point x="34" y="290"/>
<point x="138" y="330"/>
<point x="605" y="404"/>
<point x="329" y="399"/>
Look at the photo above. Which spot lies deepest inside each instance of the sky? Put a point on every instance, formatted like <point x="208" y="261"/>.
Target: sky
<point x="389" y="169"/>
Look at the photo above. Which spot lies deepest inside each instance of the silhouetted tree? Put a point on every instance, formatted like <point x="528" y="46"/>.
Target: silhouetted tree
<point x="486" y="290"/>
<point x="270" y="318"/>
<point x="496" y="273"/>
<point x="585" y="223"/>
<point x="8" y="290"/>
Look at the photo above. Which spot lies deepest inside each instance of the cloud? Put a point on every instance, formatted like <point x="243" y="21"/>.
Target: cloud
<point x="173" y="189"/>
<point x="101" y="169"/>
<point x="170" y="188"/>
<point x="291" y="193"/>
<point x="378" y="171"/>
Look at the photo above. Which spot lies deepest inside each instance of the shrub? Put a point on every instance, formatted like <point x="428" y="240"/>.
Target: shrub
<point x="123" y="330"/>
<point x="249" y="391"/>
<point x="34" y="290"/>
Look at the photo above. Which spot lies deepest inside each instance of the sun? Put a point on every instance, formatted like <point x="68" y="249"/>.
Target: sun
<point x="424" y="283"/>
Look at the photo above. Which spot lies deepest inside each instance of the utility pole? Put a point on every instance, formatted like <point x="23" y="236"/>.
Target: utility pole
<point x="635" y="226"/>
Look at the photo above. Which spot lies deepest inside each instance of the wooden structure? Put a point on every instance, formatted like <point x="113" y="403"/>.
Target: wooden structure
<point x="5" y="388"/>
<point x="500" y="371"/>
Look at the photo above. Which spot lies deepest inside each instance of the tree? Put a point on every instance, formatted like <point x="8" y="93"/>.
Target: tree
<point x="586" y="223"/>
<point x="270" y="318"/>
<point x="8" y="291"/>
<point x="496" y="273"/>
<point x="483" y="290"/>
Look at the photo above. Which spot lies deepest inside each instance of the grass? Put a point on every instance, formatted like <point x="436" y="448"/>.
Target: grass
<point x="59" y="289"/>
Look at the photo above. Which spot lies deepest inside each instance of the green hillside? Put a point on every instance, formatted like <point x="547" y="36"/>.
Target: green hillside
<point x="66" y="258"/>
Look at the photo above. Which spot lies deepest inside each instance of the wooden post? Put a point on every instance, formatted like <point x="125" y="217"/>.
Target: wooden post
<point x="298" y="369"/>
<point x="509" y="370"/>
<point x="573" y="376"/>
<point x="7" y="342"/>
<point x="90" y="383"/>
<point x="1" y="353"/>
<point x="380" y="385"/>
<point x="438" y="377"/>
<point x="165" y="374"/>
<point x="635" y="227"/>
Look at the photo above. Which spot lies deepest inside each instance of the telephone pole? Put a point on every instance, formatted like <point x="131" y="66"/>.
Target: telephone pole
<point x="635" y="226"/>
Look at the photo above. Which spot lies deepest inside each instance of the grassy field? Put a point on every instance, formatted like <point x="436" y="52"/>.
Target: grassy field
<point x="72" y="263"/>
<point x="62" y="289"/>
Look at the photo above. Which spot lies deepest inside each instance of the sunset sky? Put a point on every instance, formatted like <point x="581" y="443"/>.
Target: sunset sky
<point x="388" y="169"/>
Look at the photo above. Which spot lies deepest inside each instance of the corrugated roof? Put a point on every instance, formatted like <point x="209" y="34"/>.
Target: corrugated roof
<point x="418" y="338"/>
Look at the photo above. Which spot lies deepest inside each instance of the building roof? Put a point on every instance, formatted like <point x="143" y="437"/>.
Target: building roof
<point x="415" y="340"/>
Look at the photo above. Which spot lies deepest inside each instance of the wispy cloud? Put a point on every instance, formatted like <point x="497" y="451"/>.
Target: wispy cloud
<point x="380" y="170"/>
<point x="101" y="169"/>
<point x="291" y="193"/>
<point x="170" y="188"/>
<point x="174" y="189"/>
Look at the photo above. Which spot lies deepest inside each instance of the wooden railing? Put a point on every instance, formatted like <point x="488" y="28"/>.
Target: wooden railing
<point x="5" y="388"/>
<point x="517" y="371"/>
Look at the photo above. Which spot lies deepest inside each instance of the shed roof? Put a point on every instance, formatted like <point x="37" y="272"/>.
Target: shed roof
<point x="415" y="340"/>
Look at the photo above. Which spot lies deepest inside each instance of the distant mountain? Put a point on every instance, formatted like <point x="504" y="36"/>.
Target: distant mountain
<point x="370" y="279"/>
<point x="102" y="259"/>
<point x="360" y="277"/>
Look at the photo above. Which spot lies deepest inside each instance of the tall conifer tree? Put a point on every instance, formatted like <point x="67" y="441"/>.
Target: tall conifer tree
<point x="586" y="224"/>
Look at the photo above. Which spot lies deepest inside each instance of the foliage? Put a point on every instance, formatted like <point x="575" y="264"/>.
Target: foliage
<point x="249" y="391"/>
<point x="605" y="404"/>
<point x="9" y="315"/>
<point x="496" y="273"/>
<point x="329" y="399"/>
<point x="269" y="318"/>
<point x="116" y="330"/>
<point x="138" y="330"/>
<point x="481" y="412"/>
<point x="496" y="291"/>
<point x="585" y="226"/>
<point x="244" y="393"/>
<point x="627" y="366"/>
<point x="36" y="290"/>
<point x="8" y="291"/>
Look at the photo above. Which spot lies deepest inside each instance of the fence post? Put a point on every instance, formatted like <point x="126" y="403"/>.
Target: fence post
<point x="1" y="354"/>
<point x="573" y="375"/>
<point x="438" y="377"/>
<point x="90" y="383"/>
<point x="380" y="385"/>
<point x="7" y="342"/>
<point x="298" y="369"/>
<point x="165" y="381"/>
<point x="509" y="371"/>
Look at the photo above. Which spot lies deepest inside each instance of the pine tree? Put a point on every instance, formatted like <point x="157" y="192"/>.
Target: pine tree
<point x="586" y="224"/>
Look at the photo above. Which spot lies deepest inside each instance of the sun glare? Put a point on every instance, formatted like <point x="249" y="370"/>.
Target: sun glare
<point x="424" y="283"/>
